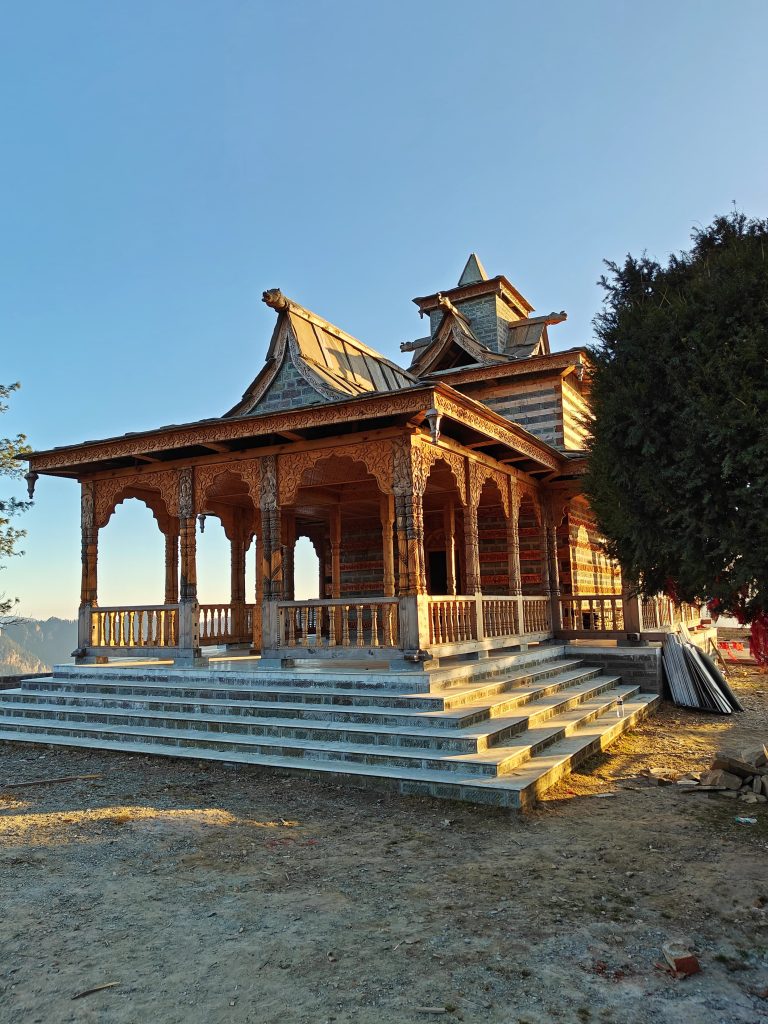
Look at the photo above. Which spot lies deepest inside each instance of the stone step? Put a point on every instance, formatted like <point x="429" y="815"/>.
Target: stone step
<point x="538" y="774"/>
<point x="417" y="732"/>
<point x="230" y="672"/>
<point x="514" y="791"/>
<point x="113" y="685"/>
<point x="431" y="749"/>
<point x="331" y="706"/>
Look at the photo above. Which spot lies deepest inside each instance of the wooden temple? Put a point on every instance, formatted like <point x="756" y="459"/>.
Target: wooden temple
<point x="444" y="501"/>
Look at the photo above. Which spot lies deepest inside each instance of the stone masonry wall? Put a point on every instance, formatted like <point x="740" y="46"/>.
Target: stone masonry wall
<point x="362" y="563"/>
<point x="494" y="566"/>
<point x="288" y="390"/>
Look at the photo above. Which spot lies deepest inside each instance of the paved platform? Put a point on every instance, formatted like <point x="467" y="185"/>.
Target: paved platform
<point x="500" y="731"/>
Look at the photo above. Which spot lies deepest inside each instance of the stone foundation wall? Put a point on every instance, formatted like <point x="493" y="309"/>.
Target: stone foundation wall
<point x="640" y="666"/>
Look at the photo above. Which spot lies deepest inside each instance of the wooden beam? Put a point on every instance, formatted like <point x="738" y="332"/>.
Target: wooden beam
<point x="483" y="444"/>
<point x="290" y="435"/>
<point x="217" y="446"/>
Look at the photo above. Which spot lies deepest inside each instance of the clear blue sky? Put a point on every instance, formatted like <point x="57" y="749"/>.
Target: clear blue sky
<point x="163" y="162"/>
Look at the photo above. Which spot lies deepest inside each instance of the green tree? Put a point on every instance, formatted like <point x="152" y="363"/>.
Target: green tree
<point x="678" y="468"/>
<point x="10" y="448"/>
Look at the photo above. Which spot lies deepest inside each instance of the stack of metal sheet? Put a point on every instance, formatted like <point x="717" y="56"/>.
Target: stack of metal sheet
<point x="694" y="680"/>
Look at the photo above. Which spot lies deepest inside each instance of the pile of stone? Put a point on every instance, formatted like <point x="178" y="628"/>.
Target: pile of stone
<point x="744" y="778"/>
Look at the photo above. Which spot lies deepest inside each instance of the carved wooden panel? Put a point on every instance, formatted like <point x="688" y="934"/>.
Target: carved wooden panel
<point x="268" y="483"/>
<point x="206" y="476"/>
<point x="429" y="454"/>
<point x="376" y="456"/>
<point x="87" y="507"/>
<point x="478" y="474"/>
<point x="111" y="491"/>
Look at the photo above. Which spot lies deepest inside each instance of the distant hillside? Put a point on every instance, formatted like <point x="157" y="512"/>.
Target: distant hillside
<point x="35" y="646"/>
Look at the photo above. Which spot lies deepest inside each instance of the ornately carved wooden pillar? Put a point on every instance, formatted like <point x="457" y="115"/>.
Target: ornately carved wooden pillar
<point x="335" y="546"/>
<point x="387" y="515"/>
<point x="409" y="516"/>
<point x="271" y="554"/>
<point x="172" y="563"/>
<point x="289" y="546"/>
<point x="189" y="618"/>
<point x="472" y="545"/>
<point x="513" y="540"/>
<point x="553" y="569"/>
<point x="89" y="558"/>
<point x="89" y="543"/>
<point x="449" y="525"/>
<point x="543" y="551"/>
<point x="256" y="639"/>
<point x="271" y="533"/>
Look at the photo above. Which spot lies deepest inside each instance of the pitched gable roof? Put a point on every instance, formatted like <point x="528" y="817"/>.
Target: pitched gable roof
<point x="333" y="363"/>
<point x="529" y="337"/>
<point x="453" y="344"/>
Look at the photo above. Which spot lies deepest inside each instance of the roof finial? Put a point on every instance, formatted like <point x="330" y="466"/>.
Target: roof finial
<point x="473" y="271"/>
<point x="275" y="299"/>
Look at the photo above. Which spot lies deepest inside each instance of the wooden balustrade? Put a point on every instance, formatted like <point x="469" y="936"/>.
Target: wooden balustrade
<point x="657" y="612"/>
<point x="365" y="623"/>
<point x="593" y="613"/>
<point x="537" y="614"/>
<point x="452" y="620"/>
<point x="500" y="616"/>
<point x="225" y="624"/>
<point x="149" y="626"/>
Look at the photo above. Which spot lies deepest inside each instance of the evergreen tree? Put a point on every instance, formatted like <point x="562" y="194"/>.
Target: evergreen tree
<point x="678" y="472"/>
<point x="10" y="448"/>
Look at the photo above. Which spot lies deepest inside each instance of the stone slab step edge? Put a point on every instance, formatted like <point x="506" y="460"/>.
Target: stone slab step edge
<point x="312" y="751"/>
<point x="507" y="791"/>
<point x="405" y="715"/>
<point x="471" y="739"/>
<point x="461" y="674"/>
<point x="314" y="694"/>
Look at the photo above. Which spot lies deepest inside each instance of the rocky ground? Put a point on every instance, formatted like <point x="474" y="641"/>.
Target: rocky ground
<point x="205" y="893"/>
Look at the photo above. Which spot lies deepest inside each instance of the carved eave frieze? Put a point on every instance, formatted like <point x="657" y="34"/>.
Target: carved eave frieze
<point x="87" y="456"/>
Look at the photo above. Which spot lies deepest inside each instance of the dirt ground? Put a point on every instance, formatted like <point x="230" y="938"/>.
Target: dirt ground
<point x="211" y="893"/>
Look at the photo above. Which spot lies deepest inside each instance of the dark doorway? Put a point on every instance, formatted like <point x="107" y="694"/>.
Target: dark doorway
<point x="438" y="572"/>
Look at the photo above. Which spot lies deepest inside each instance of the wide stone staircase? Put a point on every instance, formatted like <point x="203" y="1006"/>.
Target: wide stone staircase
<point x="501" y="731"/>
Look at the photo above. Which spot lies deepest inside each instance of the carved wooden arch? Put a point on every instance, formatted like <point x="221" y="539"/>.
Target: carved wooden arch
<point x="376" y="456"/>
<point x="430" y="455"/>
<point x="206" y="476"/>
<point x="479" y="475"/>
<point x="314" y="540"/>
<point x="113" y="491"/>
